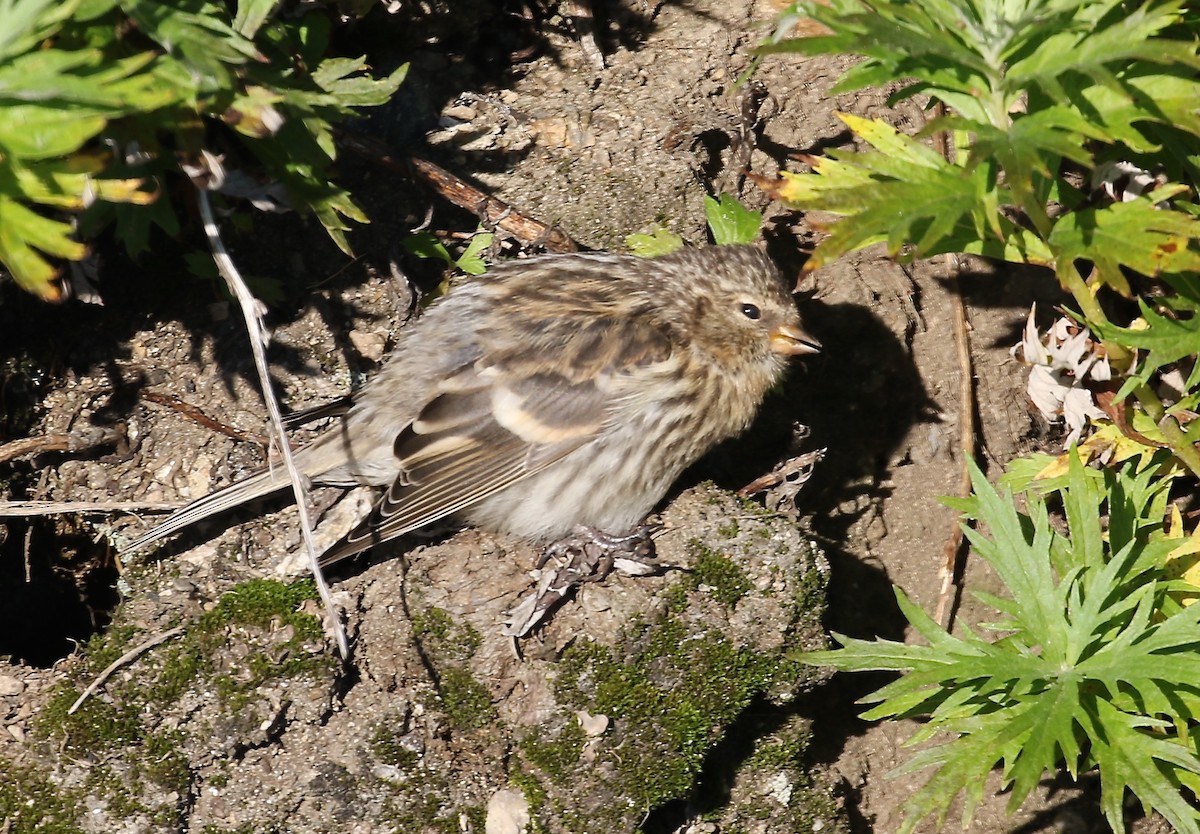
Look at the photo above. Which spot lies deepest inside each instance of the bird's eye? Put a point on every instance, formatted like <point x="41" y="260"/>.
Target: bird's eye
<point x="751" y="311"/>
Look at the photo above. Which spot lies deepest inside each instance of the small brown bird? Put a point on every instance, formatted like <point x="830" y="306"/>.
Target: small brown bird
<point x="551" y="394"/>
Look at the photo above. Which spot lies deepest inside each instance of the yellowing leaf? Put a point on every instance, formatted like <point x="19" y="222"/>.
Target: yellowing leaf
<point x="1108" y="442"/>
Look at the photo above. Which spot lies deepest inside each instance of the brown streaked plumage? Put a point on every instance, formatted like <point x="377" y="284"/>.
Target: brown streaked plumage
<point x="551" y="393"/>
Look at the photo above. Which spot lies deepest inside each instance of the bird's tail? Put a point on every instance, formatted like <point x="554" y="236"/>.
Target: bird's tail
<point x="261" y="483"/>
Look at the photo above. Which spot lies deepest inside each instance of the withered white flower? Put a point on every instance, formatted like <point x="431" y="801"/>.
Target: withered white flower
<point x="1061" y="361"/>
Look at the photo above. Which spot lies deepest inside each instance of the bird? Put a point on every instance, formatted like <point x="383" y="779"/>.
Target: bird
<point x="552" y="394"/>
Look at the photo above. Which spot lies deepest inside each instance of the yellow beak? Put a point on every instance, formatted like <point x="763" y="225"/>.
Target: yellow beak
<point x="790" y="340"/>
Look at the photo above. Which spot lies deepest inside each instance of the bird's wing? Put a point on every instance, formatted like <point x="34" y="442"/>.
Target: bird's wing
<point x="500" y="420"/>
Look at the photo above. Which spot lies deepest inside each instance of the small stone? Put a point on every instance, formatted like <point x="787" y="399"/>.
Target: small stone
<point x="10" y="686"/>
<point x="461" y="112"/>
<point x="593" y="725"/>
<point x="507" y="813"/>
<point x="16" y="732"/>
<point x="369" y="343"/>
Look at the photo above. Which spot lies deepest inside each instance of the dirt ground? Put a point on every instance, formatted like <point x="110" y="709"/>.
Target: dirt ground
<point x="599" y="152"/>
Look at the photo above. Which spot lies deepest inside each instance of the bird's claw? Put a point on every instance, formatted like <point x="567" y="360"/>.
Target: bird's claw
<point x="587" y="555"/>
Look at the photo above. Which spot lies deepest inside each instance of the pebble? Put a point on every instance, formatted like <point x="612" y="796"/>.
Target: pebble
<point x="10" y="686"/>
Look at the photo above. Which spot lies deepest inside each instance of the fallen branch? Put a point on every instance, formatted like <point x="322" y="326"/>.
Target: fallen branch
<point x="57" y="442"/>
<point x="194" y="414"/>
<point x="21" y="509"/>
<point x="252" y="312"/>
<point x="491" y="211"/>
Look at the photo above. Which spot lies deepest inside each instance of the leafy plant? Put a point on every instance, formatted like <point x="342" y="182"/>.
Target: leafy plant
<point x="1071" y="130"/>
<point x="1044" y="101"/>
<point x="1094" y="663"/>
<point x="728" y="221"/>
<point x="426" y="245"/>
<point x="100" y="98"/>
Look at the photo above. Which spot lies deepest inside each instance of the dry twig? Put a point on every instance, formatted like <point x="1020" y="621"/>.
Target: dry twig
<point x="252" y="312"/>
<point x="21" y="509"/>
<point x="528" y="231"/>
<point x="950" y="592"/>
<point x="197" y="416"/>
<point x="74" y="442"/>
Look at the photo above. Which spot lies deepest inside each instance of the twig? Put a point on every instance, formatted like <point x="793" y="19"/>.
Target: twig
<point x="197" y="416"/>
<point x="950" y="592"/>
<point x="128" y="657"/>
<point x="252" y="313"/>
<point x="525" y="229"/>
<point x="20" y="509"/>
<point x="76" y="442"/>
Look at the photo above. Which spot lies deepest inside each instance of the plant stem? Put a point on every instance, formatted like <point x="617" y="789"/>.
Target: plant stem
<point x="1183" y="448"/>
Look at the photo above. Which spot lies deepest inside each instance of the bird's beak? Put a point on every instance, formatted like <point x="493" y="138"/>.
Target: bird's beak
<point x="789" y="340"/>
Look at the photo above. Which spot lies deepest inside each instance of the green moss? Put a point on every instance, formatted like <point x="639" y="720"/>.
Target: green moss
<point x="476" y="818"/>
<point x="164" y="761"/>
<point x="179" y="664"/>
<point x="443" y="637"/>
<point x="120" y="801"/>
<point x="557" y="757"/>
<point x="95" y="727"/>
<point x="105" y="647"/>
<point x="723" y="577"/>
<point x="262" y="603"/>
<point x="673" y="698"/>
<point x="534" y="794"/>
<point x="30" y="802"/>
<point x="385" y="744"/>
<point x="468" y="704"/>
<point x="422" y="809"/>
<point x="729" y="529"/>
<point x="120" y="721"/>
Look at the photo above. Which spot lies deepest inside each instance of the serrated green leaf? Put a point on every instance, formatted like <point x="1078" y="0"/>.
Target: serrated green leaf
<point x="1130" y="756"/>
<point x="1113" y="41"/>
<point x="24" y="236"/>
<point x="26" y="23"/>
<point x="196" y="32"/>
<point x="1168" y="338"/>
<point x="1137" y="234"/>
<point x="730" y="221"/>
<point x="35" y="132"/>
<point x="471" y="260"/>
<point x="904" y="194"/>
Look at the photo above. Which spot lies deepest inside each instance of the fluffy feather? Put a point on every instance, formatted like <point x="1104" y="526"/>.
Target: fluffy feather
<point x="552" y="392"/>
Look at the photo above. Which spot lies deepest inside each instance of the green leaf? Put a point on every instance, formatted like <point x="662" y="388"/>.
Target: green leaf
<point x="26" y="23"/>
<point x="24" y="236"/>
<point x="1138" y="234"/>
<point x="730" y="221"/>
<point x="1131" y="755"/>
<point x="661" y="242"/>
<point x="905" y="194"/>
<point x="1087" y="653"/>
<point x="252" y="14"/>
<point x="471" y="260"/>
<point x="425" y="245"/>
<point x="1168" y="337"/>
<point x="196" y="32"/>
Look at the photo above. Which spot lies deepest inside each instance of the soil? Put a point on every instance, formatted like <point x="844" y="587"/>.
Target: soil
<point x="437" y="725"/>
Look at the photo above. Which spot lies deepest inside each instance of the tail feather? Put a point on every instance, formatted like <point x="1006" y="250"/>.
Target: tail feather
<point x="257" y="485"/>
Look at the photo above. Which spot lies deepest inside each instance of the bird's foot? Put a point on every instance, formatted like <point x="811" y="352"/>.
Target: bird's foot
<point x="587" y="555"/>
